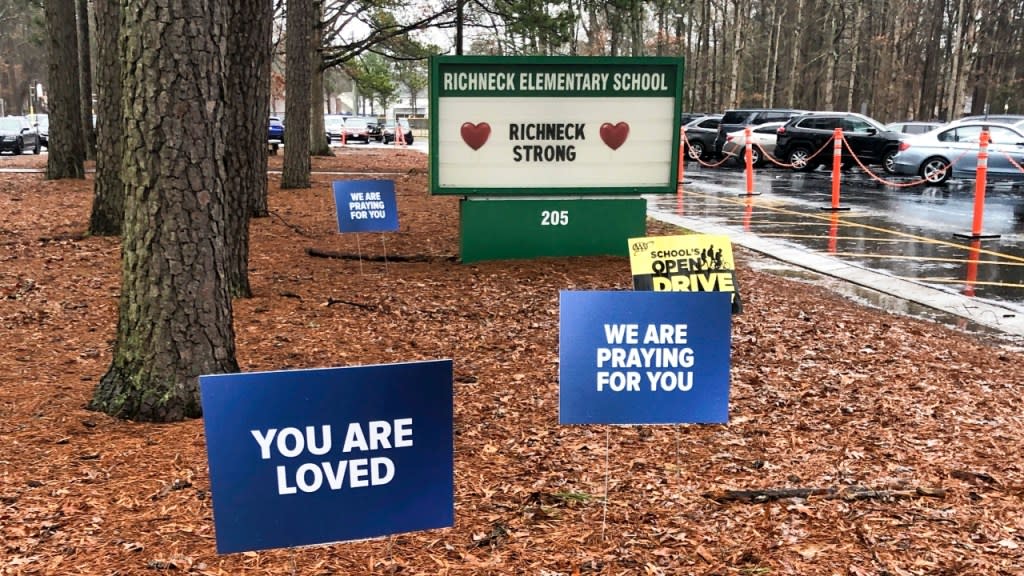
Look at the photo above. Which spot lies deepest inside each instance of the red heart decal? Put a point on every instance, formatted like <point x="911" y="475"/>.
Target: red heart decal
<point x="475" y="134"/>
<point x="614" y="135"/>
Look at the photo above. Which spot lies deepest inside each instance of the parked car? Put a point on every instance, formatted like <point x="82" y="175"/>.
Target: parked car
<point x="42" y="122"/>
<point x="17" y="134"/>
<point x="912" y="127"/>
<point x="376" y="130"/>
<point x="805" y="141"/>
<point x="733" y="120"/>
<point x="275" y="131"/>
<point x="357" y="129"/>
<point x="700" y="136"/>
<point x="1012" y="119"/>
<point x="953" y="151"/>
<point x="687" y="117"/>
<point x="333" y="125"/>
<point x="762" y="140"/>
<point x="388" y="131"/>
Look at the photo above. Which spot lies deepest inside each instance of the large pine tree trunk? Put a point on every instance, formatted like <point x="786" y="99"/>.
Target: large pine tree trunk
<point x="85" y="80"/>
<point x="246" y="108"/>
<point x="795" y="62"/>
<point x="175" y="317"/>
<point x="297" y="77"/>
<point x="65" y="151"/>
<point x="318" y="145"/>
<point x="858" y="25"/>
<point x="108" y="189"/>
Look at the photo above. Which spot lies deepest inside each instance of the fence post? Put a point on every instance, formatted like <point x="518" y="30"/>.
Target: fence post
<point x="979" y="190"/>
<point x="748" y="157"/>
<point x="837" y="173"/>
<point x="682" y="157"/>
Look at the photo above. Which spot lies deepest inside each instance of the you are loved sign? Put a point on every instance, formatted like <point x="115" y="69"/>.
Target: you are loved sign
<point x="554" y="125"/>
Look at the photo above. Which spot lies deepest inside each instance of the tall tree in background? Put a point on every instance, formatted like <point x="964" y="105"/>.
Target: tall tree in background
<point x="246" y="108"/>
<point x="298" y="71"/>
<point x="318" y="145"/>
<point x="413" y="76"/>
<point x="175" y="314"/>
<point x="22" y="54"/>
<point x="372" y="73"/>
<point x="107" y="215"/>
<point x="66" y="151"/>
<point x="85" y="79"/>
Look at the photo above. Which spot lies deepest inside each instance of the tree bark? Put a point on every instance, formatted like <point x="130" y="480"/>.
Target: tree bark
<point x="318" y="145"/>
<point x="107" y="215"/>
<point x="175" y="316"/>
<point x="65" y="151"/>
<point x="297" y="100"/>
<point x="794" y="57"/>
<point x="246" y="109"/>
<point x="85" y="80"/>
<point x="858" y="24"/>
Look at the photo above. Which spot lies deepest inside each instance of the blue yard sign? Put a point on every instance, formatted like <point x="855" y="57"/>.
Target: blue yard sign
<point x="366" y="205"/>
<point x="644" y="357"/>
<point x="315" y="456"/>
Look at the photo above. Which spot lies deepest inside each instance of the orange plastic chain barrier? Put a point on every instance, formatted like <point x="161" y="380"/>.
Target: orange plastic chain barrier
<point x="1013" y="162"/>
<point x="782" y="164"/>
<point x="701" y="162"/>
<point x="768" y="156"/>
<point x="893" y="183"/>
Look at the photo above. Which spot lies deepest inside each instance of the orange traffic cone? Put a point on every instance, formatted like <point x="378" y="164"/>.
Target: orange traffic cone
<point x="399" y="134"/>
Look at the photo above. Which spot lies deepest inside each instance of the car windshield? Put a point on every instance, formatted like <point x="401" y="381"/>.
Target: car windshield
<point x="860" y="125"/>
<point x="10" y="124"/>
<point x="356" y="123"/>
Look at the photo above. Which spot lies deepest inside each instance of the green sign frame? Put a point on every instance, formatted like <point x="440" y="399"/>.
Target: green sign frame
<point x="532" y="151"/>
<point x="520" y="228"/>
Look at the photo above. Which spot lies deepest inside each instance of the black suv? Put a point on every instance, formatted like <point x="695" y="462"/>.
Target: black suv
<point x="700" y="136"/>
<point x="739" y="118"/>
<point x="805" y="142"/>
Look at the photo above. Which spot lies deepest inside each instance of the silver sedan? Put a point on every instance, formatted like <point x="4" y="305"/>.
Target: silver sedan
<point x="952" y="151"/>
<point x="762" y="138"/>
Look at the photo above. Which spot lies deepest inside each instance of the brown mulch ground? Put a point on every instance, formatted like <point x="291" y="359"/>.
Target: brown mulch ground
<point x="911" y="431"/>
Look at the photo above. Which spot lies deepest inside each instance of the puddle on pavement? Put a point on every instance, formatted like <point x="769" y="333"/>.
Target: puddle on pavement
<point x="884" y="302"/>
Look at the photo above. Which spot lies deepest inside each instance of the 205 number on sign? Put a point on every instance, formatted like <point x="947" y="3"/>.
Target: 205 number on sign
<point x="554" y="217"/>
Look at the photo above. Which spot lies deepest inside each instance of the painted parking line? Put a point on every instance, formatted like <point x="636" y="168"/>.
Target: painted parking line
<point x="942" y="280"/>
<point x="924" y="259"/>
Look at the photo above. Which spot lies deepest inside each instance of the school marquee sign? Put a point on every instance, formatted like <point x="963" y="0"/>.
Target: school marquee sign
<point x="554" y="125"/>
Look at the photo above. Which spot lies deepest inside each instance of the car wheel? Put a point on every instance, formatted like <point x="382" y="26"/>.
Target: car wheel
<point x="408" y="139"/>
<point x="17" y="147"/>
<point x="800" y="158"/>
<point x="696" y="150"/>
<point x="935" y="170"/>
<point x="37" y="148"/>
<point x="889" y="161"/>
<point x="755" y="156"/>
